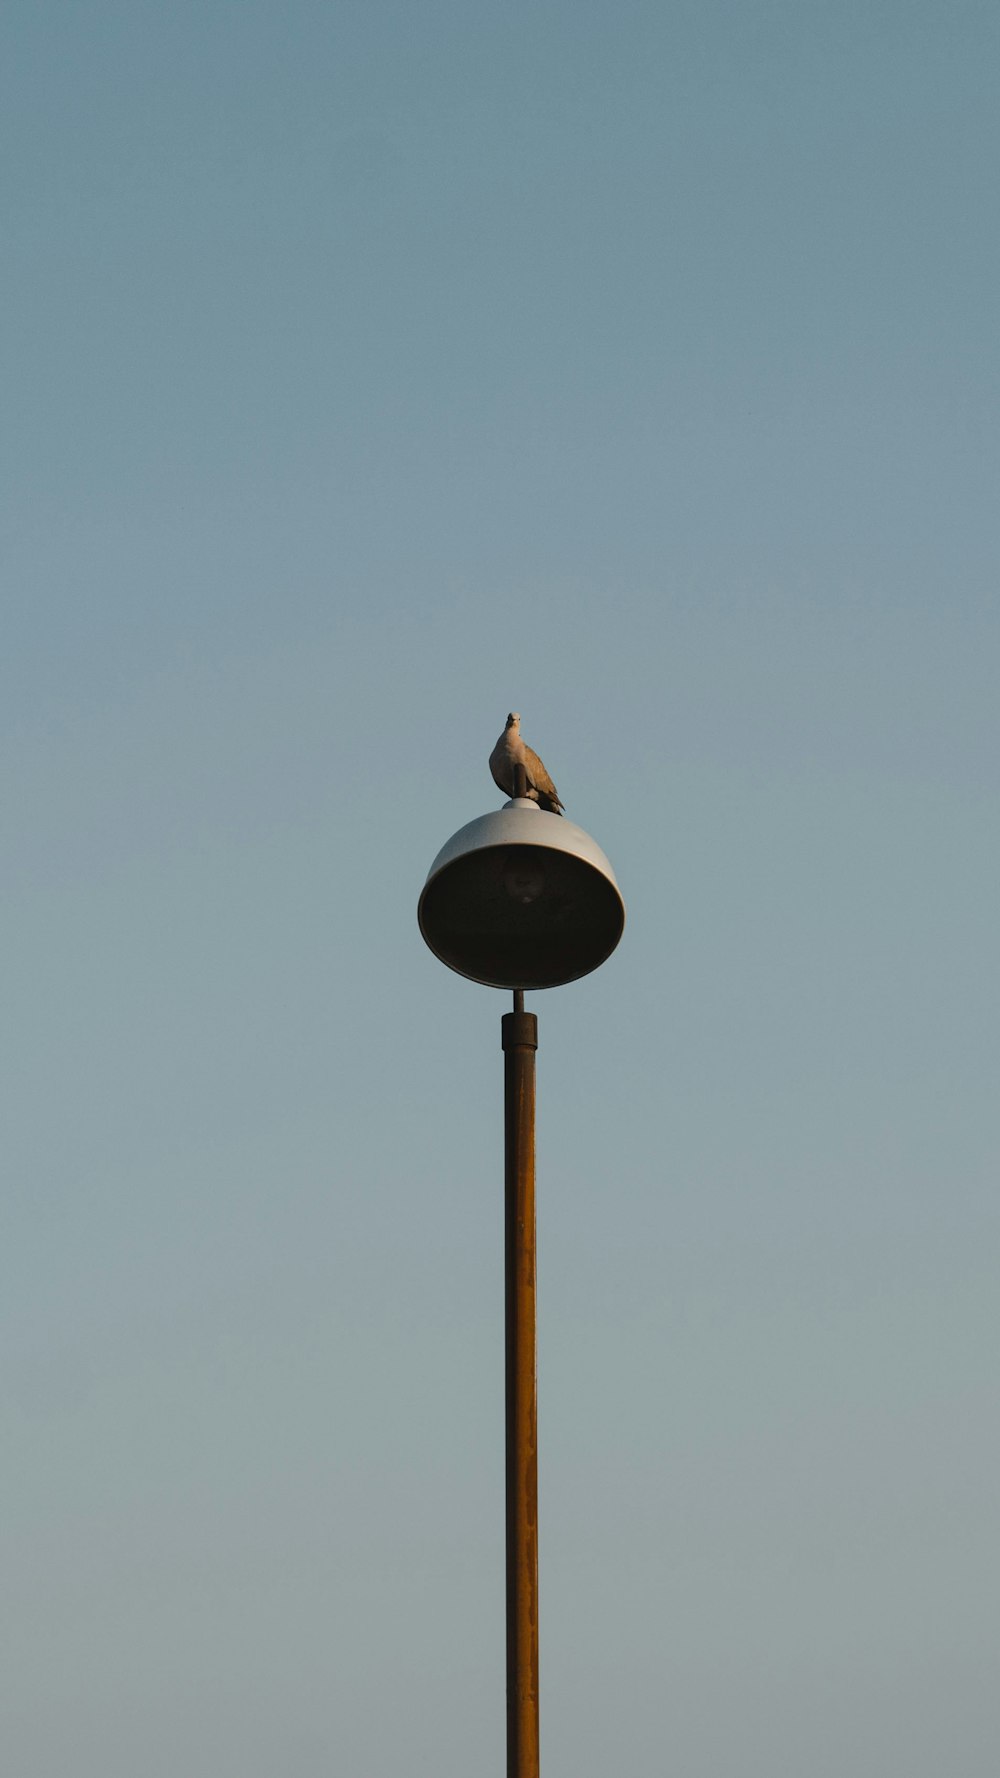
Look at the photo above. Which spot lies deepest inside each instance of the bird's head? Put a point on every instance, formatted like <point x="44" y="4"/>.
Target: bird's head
<point x="513" y="719"/>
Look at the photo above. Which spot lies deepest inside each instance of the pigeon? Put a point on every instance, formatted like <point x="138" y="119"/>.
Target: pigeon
<point x="511" y="751"/>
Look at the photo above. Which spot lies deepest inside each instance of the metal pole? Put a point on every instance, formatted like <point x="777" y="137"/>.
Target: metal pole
<point x="520" y="1041"/>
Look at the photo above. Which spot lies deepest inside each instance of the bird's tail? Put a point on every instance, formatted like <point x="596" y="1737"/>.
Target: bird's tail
<point x="551" y="803"/>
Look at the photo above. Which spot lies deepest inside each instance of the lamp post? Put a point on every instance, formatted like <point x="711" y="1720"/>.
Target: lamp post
<point x="518" y="899"/>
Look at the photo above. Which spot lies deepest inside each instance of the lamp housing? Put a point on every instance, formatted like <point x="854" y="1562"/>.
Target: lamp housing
<point x="521" y="898"/>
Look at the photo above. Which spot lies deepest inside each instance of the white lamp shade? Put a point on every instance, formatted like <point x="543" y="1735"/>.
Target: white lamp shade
<point x="521" y="898"/>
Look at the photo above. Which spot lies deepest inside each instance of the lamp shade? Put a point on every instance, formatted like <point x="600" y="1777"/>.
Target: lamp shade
<point x="521" y="898"/>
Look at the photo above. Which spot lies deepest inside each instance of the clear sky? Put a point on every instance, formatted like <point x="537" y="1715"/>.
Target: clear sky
<point x="369" y="370"/>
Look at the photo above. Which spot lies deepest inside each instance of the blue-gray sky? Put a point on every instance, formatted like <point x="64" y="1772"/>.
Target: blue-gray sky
<point x="370" y="370"/>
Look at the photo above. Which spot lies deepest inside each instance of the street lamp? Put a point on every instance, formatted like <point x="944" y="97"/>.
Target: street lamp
<point x="521" y="898"/>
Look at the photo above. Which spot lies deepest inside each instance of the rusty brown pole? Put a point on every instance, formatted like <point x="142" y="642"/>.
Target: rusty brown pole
<point x="520" y="1041"/>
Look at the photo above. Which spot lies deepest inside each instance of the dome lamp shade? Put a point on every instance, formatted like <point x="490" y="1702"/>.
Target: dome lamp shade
<point x="521" y="898"/>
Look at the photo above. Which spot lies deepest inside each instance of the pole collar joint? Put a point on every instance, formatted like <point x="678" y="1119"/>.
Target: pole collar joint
<point x="519" y="1031"/>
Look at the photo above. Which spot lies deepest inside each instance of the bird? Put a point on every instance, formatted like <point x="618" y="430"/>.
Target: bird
<point x="511" y="751"/>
